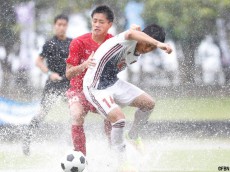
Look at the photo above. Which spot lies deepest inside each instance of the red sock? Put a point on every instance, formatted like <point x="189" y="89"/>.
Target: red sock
<point x="108" y="128"/>
<point x="78" y="137"/>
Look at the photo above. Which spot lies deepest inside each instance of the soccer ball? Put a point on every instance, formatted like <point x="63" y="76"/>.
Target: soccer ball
<point x="74" y="161"/>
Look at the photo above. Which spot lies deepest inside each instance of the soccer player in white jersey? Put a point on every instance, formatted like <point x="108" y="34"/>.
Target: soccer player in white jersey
<point x="108" y="93"/>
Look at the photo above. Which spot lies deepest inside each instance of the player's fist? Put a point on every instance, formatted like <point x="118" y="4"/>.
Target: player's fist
<point x="166" y="47"/>
<point x="91" y="61"/>
<point x="135" y="27"/>
<point x="55" y="77"/>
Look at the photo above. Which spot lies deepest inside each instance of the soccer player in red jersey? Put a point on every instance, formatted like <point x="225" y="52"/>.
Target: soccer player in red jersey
<point x="77" y="64"/>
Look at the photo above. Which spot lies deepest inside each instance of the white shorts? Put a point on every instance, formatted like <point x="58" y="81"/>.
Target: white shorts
<point x="121" y="94"/>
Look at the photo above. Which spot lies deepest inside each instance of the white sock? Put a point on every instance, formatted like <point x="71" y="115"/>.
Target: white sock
<point x="117" y="135"/>
<point x="141" y="118"/>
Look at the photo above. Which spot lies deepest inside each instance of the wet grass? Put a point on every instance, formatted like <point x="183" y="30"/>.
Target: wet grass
<point x="168" y="155"/>
<point x="193" y="160"/>
<point x="45" y="157"/>
<point x="191" y="154"/>
<point x="163" y="155"/>
<point x="166" y="109"/>
<point x="192" y="109"/>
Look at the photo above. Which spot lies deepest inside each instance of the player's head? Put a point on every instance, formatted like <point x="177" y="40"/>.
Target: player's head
<point x="60" y="25"/>
<point x="155" y="32"/>
<point x="102" y="19"/>
<point x="61" y="17"/>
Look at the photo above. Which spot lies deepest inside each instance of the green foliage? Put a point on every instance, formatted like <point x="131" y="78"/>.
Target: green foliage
<point x="73" y="6"/>
<point x="187" y="22"/>
<point x="183" y="20"/>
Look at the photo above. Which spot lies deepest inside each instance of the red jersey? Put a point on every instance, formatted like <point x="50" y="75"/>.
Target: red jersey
<point x="79" y="51"/>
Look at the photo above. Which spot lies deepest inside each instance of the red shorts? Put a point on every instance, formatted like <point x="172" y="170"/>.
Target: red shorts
<point x="75" y="96"/>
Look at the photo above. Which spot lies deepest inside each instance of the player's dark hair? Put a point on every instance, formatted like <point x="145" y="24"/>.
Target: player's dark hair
<point x="155" y="32"/>
<point x="61" y="16"/>
<point x="105" y="10"/>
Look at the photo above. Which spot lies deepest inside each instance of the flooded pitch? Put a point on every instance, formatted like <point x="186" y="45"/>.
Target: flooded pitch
<point x="163" y="154"/>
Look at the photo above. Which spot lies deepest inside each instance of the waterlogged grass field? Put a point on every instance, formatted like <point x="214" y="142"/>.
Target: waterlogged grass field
<point x="167" y="109"/>
<point x="192" y="109"/>
<point x="163" y="154"/>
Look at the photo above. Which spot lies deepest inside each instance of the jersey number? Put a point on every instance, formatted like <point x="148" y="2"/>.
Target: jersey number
<point x="107" y="102"/>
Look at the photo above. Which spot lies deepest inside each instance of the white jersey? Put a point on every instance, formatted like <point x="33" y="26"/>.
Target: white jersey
<point x="111" y="57"/>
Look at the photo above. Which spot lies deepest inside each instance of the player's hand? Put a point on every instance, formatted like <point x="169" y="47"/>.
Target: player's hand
<point x="135" y="27"/>
<point x="166" y="47"/>
<point x="91" y="61"/>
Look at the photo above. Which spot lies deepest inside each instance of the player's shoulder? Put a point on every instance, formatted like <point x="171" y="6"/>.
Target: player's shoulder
<point x="122" y="34"/>
<point x="119" y="38"/>
<point x="109" y="36"/>
<point x="69" y="39"/>
<point x="51" y="41"/>
<point x="82" y="39"/>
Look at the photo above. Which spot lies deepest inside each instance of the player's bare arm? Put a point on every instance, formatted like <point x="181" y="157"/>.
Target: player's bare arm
<point x="142" y="37"/>
<point x="41" y="65"/>
<point x="72" y="71"/>
<point x="166" y="47"/>
<point x="40" y="62"/>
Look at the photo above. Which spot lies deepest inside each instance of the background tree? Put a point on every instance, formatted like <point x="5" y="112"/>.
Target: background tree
<point x="223" y="36"/>
<point x="73" y="6"/>
<point x="9" y="37"/>
<point x="186" y="22"/>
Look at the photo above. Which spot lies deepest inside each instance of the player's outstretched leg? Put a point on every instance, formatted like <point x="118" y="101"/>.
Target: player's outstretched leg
<point x="145" y="105"/>
<point x="107" y="129"/>
<point x="28" y="134"/>
<point x="78" y="111"/>
<point x="78" y="138"/>
<point x="34" y="124"/>
<point x="119" y="146"/>
<point x="117" y="139"/>
<point x="140" y="121"/>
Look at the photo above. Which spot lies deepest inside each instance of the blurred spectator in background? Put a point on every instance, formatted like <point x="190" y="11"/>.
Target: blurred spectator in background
<point x="210" y="61"/>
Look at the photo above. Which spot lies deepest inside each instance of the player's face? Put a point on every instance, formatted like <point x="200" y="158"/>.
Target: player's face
<point x="100" y="24"/>
<point x="143" y="47"/>
<point x="60" y="27"/>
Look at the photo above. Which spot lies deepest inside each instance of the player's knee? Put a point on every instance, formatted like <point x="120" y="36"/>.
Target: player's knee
<point x="151" y="104"/>
<point x="77" y="114"/>
<point x="115" y="115"/>
<point x="77" y="118"/>
<point x="148" y="105"/>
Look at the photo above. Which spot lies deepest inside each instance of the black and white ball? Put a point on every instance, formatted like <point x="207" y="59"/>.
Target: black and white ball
<point x="74" y="161"/>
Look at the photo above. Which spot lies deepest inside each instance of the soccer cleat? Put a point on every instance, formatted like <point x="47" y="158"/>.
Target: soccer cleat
<point x="137" y="143"/>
